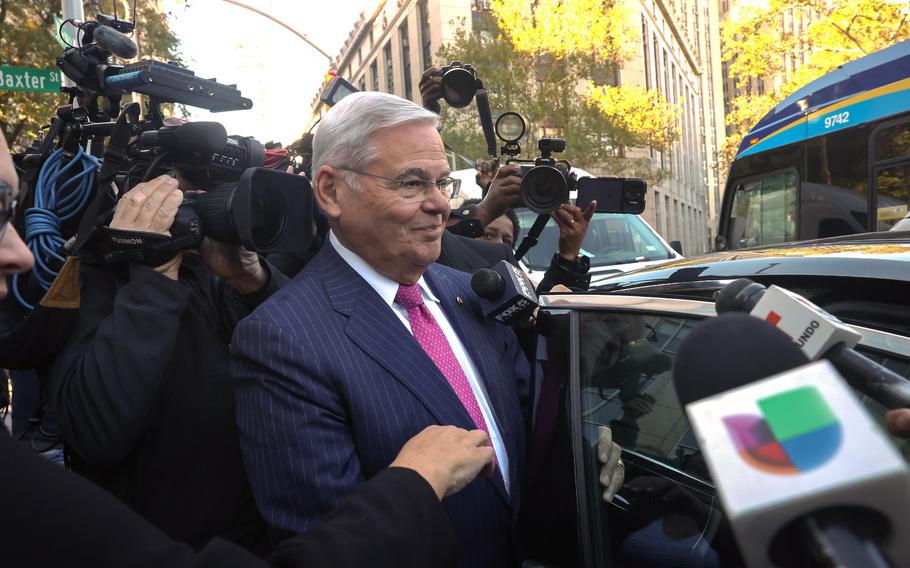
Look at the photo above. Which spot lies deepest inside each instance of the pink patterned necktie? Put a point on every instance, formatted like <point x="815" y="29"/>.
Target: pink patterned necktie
<point x="430" y="336"/>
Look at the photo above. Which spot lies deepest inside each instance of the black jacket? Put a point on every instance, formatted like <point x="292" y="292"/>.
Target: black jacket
<point x="144" y="396"/>
<point x="54" y="518"/>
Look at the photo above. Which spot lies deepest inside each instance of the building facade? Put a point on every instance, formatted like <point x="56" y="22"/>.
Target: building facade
<point x="678" y="53"/>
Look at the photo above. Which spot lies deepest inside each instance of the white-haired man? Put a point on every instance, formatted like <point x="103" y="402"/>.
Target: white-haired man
<point x="372" y="342"/>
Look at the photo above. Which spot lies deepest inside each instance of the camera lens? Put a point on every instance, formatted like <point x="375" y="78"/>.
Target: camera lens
<point x="544" y="189"/>
<point x="458" y="87"/>
<point x="269" y="217"/>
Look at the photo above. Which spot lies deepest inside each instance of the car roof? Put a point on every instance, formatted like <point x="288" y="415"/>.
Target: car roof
<point x="884" y="256"/>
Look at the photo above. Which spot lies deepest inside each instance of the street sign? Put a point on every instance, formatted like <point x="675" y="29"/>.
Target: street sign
<point x="25" y="79"/>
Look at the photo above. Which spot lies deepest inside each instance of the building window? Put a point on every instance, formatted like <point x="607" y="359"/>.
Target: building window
<point x="425" y="43"/>
<point x="405" y="58"/>
<point x="374" y="74"/>
<point x="389" y="73"/>
<point x="644" y="45"/>
<point x="362" y="84"/>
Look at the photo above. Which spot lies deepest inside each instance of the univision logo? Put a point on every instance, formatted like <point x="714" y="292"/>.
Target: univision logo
<point x="796" y="432"/>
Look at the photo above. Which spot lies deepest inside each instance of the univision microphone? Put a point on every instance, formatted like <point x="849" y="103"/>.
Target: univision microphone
<point x="506" y="295"/>
<point x="805" y="475"/>
<point x="818" y="334"/>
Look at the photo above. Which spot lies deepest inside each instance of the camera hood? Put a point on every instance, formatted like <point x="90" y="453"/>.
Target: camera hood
<point x="266" y="211"/>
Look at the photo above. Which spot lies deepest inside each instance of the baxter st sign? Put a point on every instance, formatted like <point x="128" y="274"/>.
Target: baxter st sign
<point x="25" y="79"/>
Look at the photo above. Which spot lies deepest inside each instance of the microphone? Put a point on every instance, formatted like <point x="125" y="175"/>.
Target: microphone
<point x="506" y="295"/>
<point x="818" y="334"/>
<point x="115" y="42"/>
<point x="202" y="138"/>
<point x="805" y="475"/>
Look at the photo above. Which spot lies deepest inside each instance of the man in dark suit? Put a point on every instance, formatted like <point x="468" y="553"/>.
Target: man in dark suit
<point x="372" y="341"/>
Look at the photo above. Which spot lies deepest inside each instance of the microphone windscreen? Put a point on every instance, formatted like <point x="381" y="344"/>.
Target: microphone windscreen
<point x="740" y="295"/>
<point x="729" y="351"/>
<point x="488" y="284"/>
<point x="204" y="137"/>
<point x="115" y="42"/>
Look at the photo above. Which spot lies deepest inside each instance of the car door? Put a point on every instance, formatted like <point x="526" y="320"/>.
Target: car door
<point x="622" y="350"/>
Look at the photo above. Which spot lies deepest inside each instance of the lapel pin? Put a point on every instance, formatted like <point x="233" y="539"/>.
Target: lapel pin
<point x="459" y="300"/>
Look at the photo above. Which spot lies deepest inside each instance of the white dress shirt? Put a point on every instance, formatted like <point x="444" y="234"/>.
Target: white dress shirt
<point x="387" y="290"/>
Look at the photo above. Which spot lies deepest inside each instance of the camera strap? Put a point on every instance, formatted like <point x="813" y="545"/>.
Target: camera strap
<point x="530" y="240"/>
<point x="100" y="210"/>
<point x="150" y="249"/>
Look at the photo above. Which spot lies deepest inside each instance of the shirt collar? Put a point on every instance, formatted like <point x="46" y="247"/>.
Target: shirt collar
<point x="385" y="287"/>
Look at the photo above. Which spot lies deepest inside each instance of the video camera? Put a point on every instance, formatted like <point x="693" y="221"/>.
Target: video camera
<point x="266" y="211"/>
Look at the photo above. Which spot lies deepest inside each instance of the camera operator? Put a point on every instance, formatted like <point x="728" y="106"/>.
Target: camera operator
<point x="143" y="387"/>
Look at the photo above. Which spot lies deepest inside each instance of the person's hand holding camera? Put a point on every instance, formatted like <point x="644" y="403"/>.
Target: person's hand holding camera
<point x="573" y="225"/>
<point x="150" y="207"/>
<point x="234" y="264"/>
<point x="431" y="89"/>
<point x="504" y="190"/>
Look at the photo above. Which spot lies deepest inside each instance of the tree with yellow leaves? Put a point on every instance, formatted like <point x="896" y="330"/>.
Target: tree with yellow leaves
<point x="27" y="40"/>
<point x="556" y="63"/>
<point x="756" y="45"/>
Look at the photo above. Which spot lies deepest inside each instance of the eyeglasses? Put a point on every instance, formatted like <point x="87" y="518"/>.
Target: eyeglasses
<point x="410" y="187"/>
<point x="7" y="200"/>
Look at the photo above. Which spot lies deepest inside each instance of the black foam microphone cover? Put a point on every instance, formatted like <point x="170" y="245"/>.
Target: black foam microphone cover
<point x="115" y="42"/>
<point x="488" y="284"/>
<point x="729" y="351"/>
<point x="741" y="295"/>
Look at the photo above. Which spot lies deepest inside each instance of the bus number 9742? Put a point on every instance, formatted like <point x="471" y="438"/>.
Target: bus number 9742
<point x="834" y="119"/>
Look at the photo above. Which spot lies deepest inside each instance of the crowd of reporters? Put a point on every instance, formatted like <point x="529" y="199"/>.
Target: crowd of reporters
<point x="141" y="388"/>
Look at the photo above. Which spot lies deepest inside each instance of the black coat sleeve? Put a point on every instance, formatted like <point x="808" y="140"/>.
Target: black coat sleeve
<point x="105" y="381"/>
<point x="393" y="520"/>
<point x="55" y="518"/>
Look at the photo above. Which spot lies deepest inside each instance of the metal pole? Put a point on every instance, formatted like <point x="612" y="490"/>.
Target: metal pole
<point x="282" y="24"/>
<point x="71" y="9"/>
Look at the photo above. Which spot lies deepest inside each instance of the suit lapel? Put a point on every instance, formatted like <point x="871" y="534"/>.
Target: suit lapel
<point x="375" y="328"/>
<point x="484" y="357"/>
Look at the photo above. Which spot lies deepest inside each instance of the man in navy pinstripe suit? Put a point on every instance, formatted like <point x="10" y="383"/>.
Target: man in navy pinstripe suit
<point x="372" y="341"/>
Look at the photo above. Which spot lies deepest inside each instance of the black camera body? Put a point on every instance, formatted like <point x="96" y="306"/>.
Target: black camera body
<point x="545" y="181"/>
<point x="459" y="84"/>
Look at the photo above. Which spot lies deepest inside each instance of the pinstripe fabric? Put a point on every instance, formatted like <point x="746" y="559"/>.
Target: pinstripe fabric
<point x="330" y="385"/>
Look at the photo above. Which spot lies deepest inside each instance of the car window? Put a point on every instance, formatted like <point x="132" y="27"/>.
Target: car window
<point x="612" y="238"/>
<point x="666" y="513"/>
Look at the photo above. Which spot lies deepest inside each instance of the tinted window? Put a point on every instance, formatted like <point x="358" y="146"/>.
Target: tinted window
<point x="666" y="514"/>
<point x="612" y="238"/>
<point x="834" y="199"/>
<point x="764" y="210"/>
<point x="892" y="195"/>
<point x="892" y="183"/>
<point x="893" y="142"/>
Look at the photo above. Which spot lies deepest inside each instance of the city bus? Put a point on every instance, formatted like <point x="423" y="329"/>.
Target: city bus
<point x="831" y="159"/>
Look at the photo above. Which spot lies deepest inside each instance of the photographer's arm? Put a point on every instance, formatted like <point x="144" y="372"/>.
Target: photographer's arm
<point x="105" y="381"/>
<point x="573" y="225"/>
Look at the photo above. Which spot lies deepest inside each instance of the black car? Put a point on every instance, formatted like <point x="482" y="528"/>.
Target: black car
<point x="617" y="349"/>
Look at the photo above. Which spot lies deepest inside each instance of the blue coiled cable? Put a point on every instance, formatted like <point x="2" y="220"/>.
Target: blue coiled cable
<point x="55" y="202"/>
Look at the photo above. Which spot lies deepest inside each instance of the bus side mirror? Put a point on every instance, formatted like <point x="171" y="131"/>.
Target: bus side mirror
<point x="677" y="246"/>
